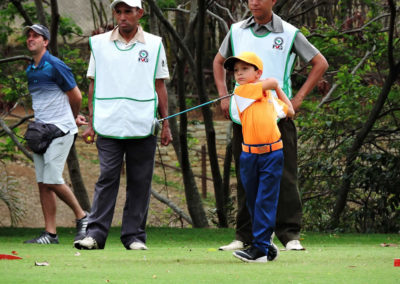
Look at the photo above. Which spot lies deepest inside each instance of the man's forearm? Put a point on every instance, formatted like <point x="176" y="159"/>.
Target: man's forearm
<point x="162" y="94"/>
<point x="319" y="66"/>
<point x="220" y="75"/>
<point x="90" y="102"/>
<point x="75" y="99"/>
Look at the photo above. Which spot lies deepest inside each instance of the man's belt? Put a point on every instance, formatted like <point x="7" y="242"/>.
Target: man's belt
<point x="263" y="148"/>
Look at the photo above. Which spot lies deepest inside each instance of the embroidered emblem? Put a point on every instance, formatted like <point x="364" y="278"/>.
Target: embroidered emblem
<point x="143" y="56"/>
<point x="278" y="43"/>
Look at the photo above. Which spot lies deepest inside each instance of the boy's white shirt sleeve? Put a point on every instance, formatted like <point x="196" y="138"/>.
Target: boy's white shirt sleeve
<point x="280" y="107"/>
<point x="247" y="94"/>
<point x="243" y="103"/>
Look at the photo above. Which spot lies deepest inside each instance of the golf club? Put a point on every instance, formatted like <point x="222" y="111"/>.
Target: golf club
<point x="156" y="123"/>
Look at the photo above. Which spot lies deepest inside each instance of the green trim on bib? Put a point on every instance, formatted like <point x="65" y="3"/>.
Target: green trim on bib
<point x="94" y="87"/>
<point x="154" y="83"/>
<point x="231" y="38"/>
<point x="286" y="75"/>
<point x="115" y="43"/>
<point x="124" y="98"/>
<point x="254" y="34"/>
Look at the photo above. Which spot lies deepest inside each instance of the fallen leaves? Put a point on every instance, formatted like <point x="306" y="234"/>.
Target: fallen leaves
<point x="9" y="257"/>
<point x="45" y="263"/>
<point x="388" y="245"/>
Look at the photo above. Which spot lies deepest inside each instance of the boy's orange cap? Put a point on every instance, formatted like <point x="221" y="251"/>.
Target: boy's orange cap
<point x="246" y="56"/>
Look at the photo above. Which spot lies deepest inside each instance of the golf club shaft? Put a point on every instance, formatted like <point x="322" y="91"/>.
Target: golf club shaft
<point x="196" y="107"/>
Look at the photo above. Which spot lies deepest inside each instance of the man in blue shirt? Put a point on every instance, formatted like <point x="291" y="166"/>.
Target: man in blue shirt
<point x="56" y="100"/>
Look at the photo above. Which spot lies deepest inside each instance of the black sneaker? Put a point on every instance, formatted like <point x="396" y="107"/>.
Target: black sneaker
<point x="44" y="239"/>
<point x="81" y="226"/>
<point x="273" y="252"/>
<point x="252" y="254"/>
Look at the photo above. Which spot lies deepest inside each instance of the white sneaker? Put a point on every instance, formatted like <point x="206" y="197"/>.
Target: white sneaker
<point x="137" y="246"/>
<point x="294" y="245"/>
<point x="234" y="245"/>
<point x="86" y="243"/>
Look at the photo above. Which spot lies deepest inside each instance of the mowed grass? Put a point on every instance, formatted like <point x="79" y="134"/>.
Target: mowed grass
<point x="192" y="256"/>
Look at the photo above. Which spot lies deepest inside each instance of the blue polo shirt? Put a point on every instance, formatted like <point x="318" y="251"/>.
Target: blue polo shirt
<point x="47" y="84"/>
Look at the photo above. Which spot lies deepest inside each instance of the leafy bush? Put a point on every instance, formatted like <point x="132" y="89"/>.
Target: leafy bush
<point x="327" y="133"/>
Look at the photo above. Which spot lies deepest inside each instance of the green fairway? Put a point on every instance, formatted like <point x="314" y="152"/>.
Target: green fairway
<point x="192" y="256"/>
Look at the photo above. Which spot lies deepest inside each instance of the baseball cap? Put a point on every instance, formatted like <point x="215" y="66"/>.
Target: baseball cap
<point x="39" y="29"/>
<point x="246" y="56"/>
<point x="132" y="3"/>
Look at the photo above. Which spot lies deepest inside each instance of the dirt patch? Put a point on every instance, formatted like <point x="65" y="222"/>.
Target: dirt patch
<point x="23" y="173"/>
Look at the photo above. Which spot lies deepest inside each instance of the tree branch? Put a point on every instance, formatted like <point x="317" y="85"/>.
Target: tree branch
<point x="334" y="87"/>
<point x="15" y="140"/>
<point x="15" y="58"/>
<point x="17" y="4"/>
<point x="22" y="120"/>
<point x="220" y="19"/>
<point x="360" y="29"/>
<point x="173" y="33"/>
<point x="307" y="10"/>
<point x="171" y="205"/>
<point x="40" y="12"/>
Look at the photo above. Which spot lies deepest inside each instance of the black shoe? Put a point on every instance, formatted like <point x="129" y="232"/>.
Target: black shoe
<point x="252" y="254"/>
<point x="81" y="226"/>
<point x="44" y="239"/>
<point x="273" y="252"/>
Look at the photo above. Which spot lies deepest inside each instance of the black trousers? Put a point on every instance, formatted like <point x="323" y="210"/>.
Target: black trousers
<point x="289" y="213"/>
<point x="139" y="155"/>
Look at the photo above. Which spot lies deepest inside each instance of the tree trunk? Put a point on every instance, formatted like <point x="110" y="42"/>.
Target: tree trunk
<point x="208" y="118"/>
<point x="193" y="199"/>
<point x="76" y="179"/>
<point x="192" y="194"/>
<point x="227" y="169"/>
<point x="55" y="20"/>
<point x="40" y="12"/>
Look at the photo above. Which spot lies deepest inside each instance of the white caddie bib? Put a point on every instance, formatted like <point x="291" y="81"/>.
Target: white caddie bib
<point x="274" y="49"/>
<point x="124" y="98"/>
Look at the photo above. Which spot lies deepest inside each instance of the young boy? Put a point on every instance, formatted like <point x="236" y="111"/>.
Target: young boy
<point x="261" y="161"/>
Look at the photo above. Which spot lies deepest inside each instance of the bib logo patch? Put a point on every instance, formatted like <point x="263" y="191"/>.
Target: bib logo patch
<point x="278" y="43"/>
<point x="143" y="56"/>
